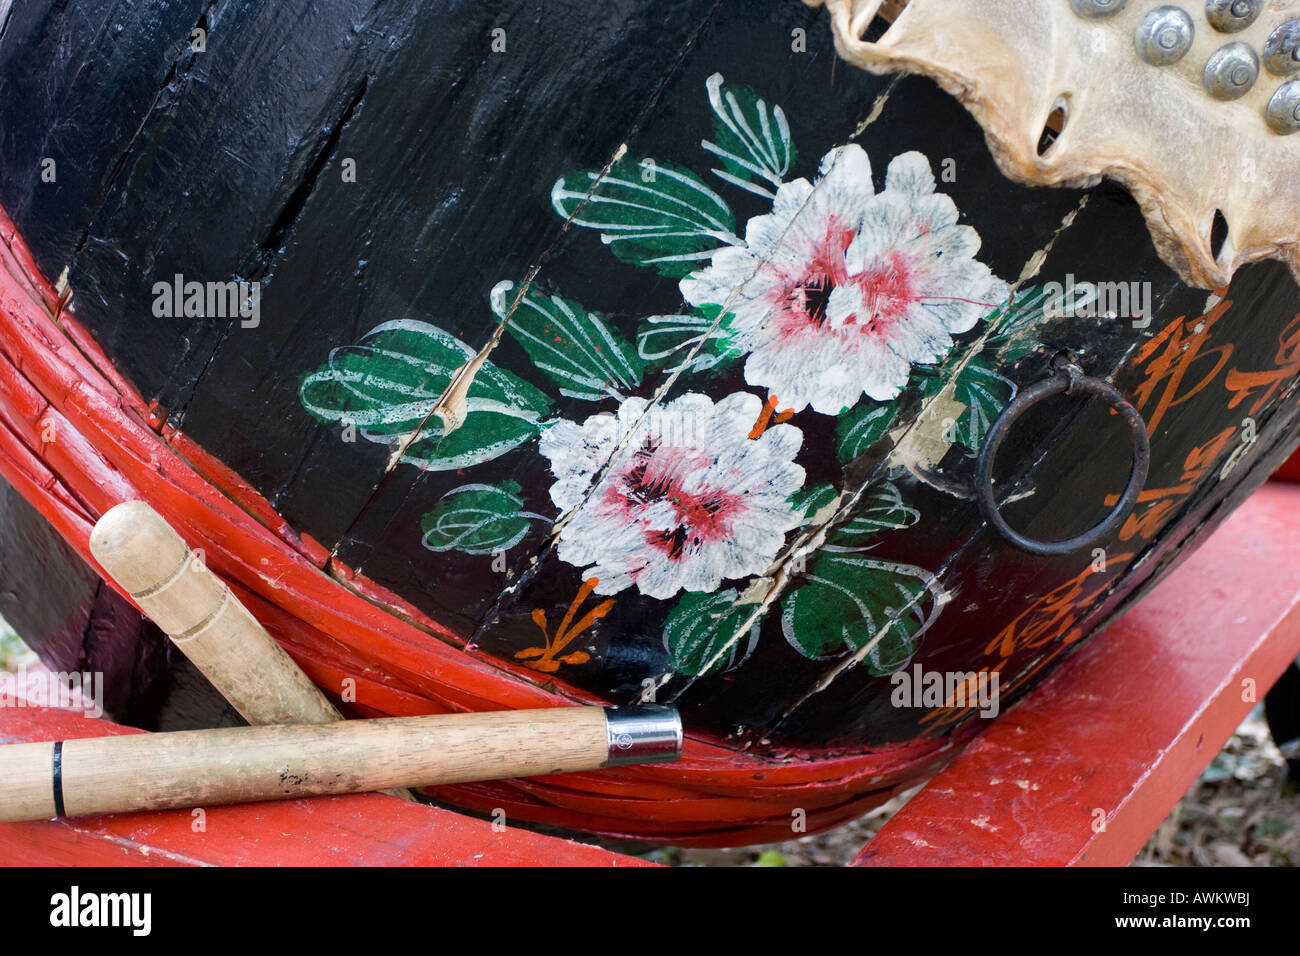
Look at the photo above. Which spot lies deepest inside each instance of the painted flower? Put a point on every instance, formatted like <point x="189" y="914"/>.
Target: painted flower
<point x="691" y="499"/>
<point x="840" y="290"/>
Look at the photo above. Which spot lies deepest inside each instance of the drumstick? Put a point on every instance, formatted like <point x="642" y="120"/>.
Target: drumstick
<point x="139" y="550"/>
<point x="175" y="589"/>
<point x="191" y="768"/>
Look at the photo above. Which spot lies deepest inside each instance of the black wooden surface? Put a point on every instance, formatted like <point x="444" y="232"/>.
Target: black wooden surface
<point x="228" y="163"/>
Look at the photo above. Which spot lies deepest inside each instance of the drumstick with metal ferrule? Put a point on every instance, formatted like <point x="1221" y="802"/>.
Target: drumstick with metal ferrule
<point x="193" y="768"/>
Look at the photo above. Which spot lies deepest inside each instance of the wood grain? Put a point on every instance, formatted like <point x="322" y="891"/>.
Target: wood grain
<point x="25" y="789"/>
<point x="353" y="830"/>
<point x="245" y="764"/>
<point x="207" y="623"/>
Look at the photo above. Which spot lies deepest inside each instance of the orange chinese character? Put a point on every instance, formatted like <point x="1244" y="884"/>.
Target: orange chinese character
<point x="1184" y="347"/>
<point x="1242" y="384"/>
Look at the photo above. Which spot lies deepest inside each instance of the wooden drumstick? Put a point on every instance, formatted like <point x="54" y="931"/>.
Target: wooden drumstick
<point x="242" y="764"/>
<point x="175" y="589"/>
<point x="139" y="550"/>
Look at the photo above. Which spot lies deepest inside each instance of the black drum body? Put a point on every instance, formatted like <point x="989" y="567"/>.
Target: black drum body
<point x="648" y="348"/>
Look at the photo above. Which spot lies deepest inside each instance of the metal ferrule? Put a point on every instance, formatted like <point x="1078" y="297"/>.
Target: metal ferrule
<point x="645" y="733"/>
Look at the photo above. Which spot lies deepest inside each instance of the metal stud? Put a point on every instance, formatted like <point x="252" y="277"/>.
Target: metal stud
<point x="1097" y="9"/>
<point x="1282" y="51"/>
<point x="1164" y="36"/>
<point x="1232" y="71"/>
<point x="1284" y="109"/>
<point x="1232" y="16"/>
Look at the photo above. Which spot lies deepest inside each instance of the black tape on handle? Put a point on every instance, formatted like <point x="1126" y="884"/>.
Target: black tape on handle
<point x="58" y="779"/>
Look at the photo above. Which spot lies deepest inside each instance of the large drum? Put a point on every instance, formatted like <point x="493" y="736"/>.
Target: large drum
<point x="831" y="374"/>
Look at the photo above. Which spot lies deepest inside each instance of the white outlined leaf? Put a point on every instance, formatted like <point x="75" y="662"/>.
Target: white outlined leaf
<point x="750" y="137"/>
<point x="851" y="601"/>
<point x="388" y="384"/>
<point x="478" y="519"/>
<point x="577" y="349"/>
<point x="650" y="213"/>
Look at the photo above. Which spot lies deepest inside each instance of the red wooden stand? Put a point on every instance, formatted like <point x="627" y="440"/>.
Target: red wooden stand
<point x="1084" y="769"/>
<point x="1081" y="771"/>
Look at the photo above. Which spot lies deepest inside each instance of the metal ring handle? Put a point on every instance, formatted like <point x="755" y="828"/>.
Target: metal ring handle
<point x="1069" y="380"/>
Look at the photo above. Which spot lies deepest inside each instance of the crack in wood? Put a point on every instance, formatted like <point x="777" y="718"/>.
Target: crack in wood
<point x="277" y="235"/>
<point x="812" y="539"/>
<point x="259" y="262"/>
<point x="448" y="405"/>
<point x="488" y="616"/>
<point x="174" y="74"/>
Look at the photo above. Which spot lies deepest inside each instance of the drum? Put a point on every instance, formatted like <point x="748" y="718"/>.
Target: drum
<point x="524" y="353"/>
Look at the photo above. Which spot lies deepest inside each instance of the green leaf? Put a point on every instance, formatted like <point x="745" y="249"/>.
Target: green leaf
<point x="751" y="138"/>
<point x="812" y="499"/>
<point x="575" y="348"/>
<point x="663" y="336"/>
<point x="649" y="213"/>
<point x="883" y="510"/>
<point x="700" y="628"/>
<point x="850" y="600"/>
<point x="984" y="392"/>
<point x="478" y="519"/>
<point x="861" y="427"/>
<point x="388" y="385"/>
<point x="1025" y="309"/>
<point x="1013" y="326"/>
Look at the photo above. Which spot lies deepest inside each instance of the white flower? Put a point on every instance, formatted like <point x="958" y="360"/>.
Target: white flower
<point x="840" y="290"/>
<point x="691" y="499"/>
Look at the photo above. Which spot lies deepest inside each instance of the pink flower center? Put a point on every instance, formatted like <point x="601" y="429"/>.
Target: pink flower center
<point x="806" y="289"/>
<point x="656" y="474"/>
<point x="887" y="292"/>
<point x="801" y="300"/>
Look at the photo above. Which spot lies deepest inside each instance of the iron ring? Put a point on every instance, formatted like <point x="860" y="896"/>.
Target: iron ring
<point x="1069" y="380"/>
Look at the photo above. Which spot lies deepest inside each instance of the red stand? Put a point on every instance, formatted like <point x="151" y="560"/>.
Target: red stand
<point x="1084" y="769"/>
